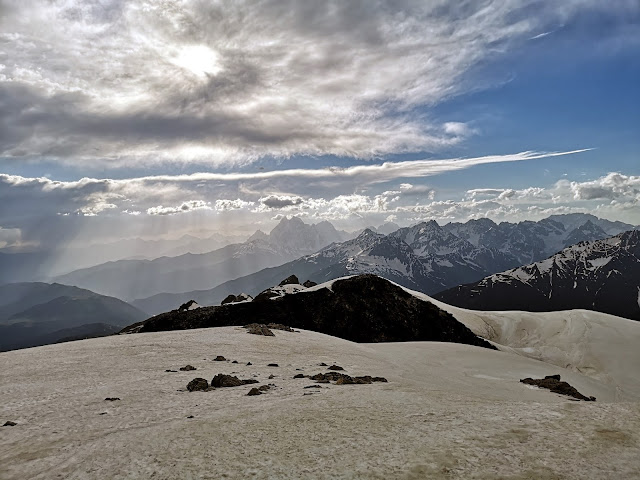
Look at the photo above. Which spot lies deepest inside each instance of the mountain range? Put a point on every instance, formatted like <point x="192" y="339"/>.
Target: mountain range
<point x="601" y="275"/>
<point x="425" y="257"/>
<point x="33" y="314"/>
<point x="129" y="279"/>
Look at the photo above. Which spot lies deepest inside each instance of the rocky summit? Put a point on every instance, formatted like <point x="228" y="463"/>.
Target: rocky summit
<point x="364" y="309"/>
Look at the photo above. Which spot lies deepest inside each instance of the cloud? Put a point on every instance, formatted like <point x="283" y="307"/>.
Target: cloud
<point x="185" y="207"/>
<point x="280" y="201"/>
<point x="115" y="82"/>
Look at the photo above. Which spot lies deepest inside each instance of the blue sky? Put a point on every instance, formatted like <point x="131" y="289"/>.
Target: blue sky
<point x="124" y="94"/>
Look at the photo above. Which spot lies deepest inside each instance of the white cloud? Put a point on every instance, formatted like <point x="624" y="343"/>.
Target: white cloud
<point x="185" y="207"/>
<point x="233" y="81"/>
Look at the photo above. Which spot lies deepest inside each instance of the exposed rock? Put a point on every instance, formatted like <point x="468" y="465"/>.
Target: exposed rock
<point x="279" y="326"/>
<point x="9" y="423"/>
<point x="222" y="381"/>
<point x="190" y="416"/>
<point x="290" y="280"/>
<point x="198" y="384"/>
<point x="335" y="367"/>
<point x="273" y="365"/>
<point x="309" y="284"/>
<point x="259" y="329"/>
<point x="299" y="375"/>
<point x="553" y="383"/>
<point x="254" y="391"/>
<point x="264" y="388"/>
<point x="187" y="368"/>
<point x="190" y="305"/>
<point x="219" y="358"/>
<point x="271" y="377"/>
<point x="229" y="299"/>
<point x="249" y="363"/>
<point x="111" y="399"/>
<point x="172" y="371"/>
<point x="235" y="361"/>
<point x="322" y="364"/>
<point x="343" y="379"/>
<point x="365" y="309"/>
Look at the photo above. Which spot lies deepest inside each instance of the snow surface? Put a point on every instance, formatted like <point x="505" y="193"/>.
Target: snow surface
<point x="448" y="411"/>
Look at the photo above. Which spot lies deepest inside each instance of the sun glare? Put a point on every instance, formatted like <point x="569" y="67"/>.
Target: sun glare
<point x="198" y="59"/>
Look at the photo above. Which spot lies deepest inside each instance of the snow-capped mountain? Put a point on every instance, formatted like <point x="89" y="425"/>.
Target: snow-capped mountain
<point x="424" y="257"/>
<point x="528" y="241"/>
<point x="128" y="279"/>
<point x="601" y="275"/>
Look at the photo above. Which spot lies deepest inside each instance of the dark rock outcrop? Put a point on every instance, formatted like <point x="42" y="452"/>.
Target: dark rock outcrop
<point x="553" y="383"/>
<point x="290" y="280"/>
<point x="259" y="329"/>
<point x="198" y="384"/>
<point x="309" y="284"/>
<point x="187" y="368"/>
<point x="254" y="391"/>
<point x="9" y="423"/>
<point x="111" y="399"/>
<point x="364" y="309"/>
<point x="219" y="358"/>
<point x="335" y="367"/>
<point x="343" y="379"/>
<point x="222" y="381"/>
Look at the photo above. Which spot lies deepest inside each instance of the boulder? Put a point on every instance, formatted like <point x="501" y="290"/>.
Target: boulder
<point x="187" y="368"/>
<point x="222" y="381"/>
<point x="9" y="423"/>
<point x="259" y="329"/>
<point x="198" y="384"/>
<point x="219" y="358"/>
<point x="553" y="383"/>
<point x="309" y="284"/>
<point x="254" y="391"/>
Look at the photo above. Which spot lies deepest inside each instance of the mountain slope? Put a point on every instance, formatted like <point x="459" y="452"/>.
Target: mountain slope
<point x="602" y="275"/>
<point x="129" y="279"/>
<point x="37" y="314"/>
<point x="365" y="308"/>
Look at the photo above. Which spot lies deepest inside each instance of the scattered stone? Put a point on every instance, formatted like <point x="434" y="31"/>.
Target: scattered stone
<point x="553" y="383"/>
<point x="9" y="423"/>
<point x="309" y="284"/>
<point x="235" y="361"/>
<point x="173" y="371"/>
<point x="249" y="363"/>
<point x="264" y="388"/>
<point x="273" y="365"/>
<point x="103" y="413"/>
<point x="259" y="329"/>
<point x="298" y="376"/>
<point x="335" y="367"/>
<point x="322" y="364"/>
<point x="290" y="280"/>
<point x="271" y="377"/>
<point x="187" y="368"/>
<point x="111" y="399"/>
<point x="254" y="391"/>
<point x="219" y="358"/>
<point x="190" y="416"/>
<point x="198" y="384"/>
<point x="343" y="379"/>
<point x="221" y="381"/>
<point x="312" y="386"/>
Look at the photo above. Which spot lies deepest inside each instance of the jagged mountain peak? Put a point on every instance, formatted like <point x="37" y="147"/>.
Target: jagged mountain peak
<point x="599" y="275"/>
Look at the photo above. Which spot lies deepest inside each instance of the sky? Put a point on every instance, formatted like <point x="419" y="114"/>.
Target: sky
<point x="150" y="119"/>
